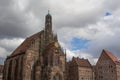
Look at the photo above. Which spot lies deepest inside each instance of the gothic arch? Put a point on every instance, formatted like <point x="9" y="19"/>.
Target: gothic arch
<point x="9" y="70"/>
<point x="46" y="77"/>
<point x="35" y="75"/>
<point x="21" y="67"/>
<point x="57" y="76"/>
<point x="16" y="69"/>
<point x="33" y="72"/>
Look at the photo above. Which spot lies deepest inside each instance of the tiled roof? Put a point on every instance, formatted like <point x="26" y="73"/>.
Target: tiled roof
<point x="83" y="62"/>
<point x="114" y="58"/>
<point x="26" y="42"/>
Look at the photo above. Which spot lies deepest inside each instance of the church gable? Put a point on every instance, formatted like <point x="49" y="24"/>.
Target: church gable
<point x="53" y="54"/>
<point x="27" y="43"/>
<point x="53" y="47"/>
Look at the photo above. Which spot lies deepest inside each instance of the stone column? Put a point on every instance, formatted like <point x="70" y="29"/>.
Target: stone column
<point x="9" y="70"/>
<point x="28" y="64"/>
<point x="38" y="72"/>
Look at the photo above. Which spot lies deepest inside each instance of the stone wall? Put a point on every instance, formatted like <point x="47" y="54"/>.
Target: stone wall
<point x="105" y="68"/>
<point x="85" y="73"/>
<point x="1" y="72"/>
<point x="13" y="68"/>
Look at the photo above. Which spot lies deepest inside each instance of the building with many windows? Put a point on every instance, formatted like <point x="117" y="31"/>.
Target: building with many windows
<point x="107" y="67"/>
<point x="79" y="69"/>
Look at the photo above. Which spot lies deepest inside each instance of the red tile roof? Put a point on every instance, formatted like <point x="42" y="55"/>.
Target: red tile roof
<point x="22" y="48"/>
<point x="114" y="58"/>
<point x="81" y="62"/>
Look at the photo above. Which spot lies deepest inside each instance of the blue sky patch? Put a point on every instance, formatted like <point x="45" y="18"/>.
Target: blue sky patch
<point x="78" y="43"/>
<point x="108" y="14"/>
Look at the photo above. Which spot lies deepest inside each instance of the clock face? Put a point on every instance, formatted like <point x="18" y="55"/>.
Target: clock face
<point x="56" y="44"/>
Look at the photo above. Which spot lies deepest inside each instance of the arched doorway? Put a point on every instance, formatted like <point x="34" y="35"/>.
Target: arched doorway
<point x="57" y="77"/>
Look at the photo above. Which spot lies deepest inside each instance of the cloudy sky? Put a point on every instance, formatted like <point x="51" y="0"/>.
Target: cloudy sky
<point x="84" y="27"/>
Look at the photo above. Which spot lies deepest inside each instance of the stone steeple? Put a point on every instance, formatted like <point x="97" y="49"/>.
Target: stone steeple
<point x="48" y="29"/>
<point x="48" y="22"/>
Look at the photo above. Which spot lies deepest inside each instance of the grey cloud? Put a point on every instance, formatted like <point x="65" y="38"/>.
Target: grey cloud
<point x="107" y="42"/>
<point x="15" y="23"/>
<point x="11" y="20"/>
<point x="111" y="5"/>
<point x="10" y="23"/>
<point x="10" y="44"/>
<point x="20" y="24"/>
<point x="63" y="17"/>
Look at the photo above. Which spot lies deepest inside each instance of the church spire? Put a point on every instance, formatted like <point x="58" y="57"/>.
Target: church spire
<point x="48" y="28"/>
<point x="48" y="21"/>
<point x="48" y="11"/>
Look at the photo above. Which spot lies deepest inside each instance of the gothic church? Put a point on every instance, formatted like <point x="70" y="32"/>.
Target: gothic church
<point x="39" y="57"/>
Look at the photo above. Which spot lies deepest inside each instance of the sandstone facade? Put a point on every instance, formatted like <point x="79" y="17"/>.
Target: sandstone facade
<point x="1" y="71"/>
<point x="107" y="67"/>
<point x="79" y="69"/>
<point x="39" y="57"/>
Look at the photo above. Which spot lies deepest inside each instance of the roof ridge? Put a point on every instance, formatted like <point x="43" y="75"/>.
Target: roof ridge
<point x="82" y="62"/>
<point x="111" y="55"/>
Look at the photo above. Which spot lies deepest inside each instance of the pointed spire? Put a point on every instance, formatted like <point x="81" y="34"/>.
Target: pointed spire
<point x="48" y="28"/>
<point x="48" y="11"/>
<point x="48" y="20"/>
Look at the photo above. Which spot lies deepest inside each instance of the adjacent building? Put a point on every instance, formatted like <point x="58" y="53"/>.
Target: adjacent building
<point x="79" y="69"/>
<point x="107" y="67"/>
<point x="1" y="71"/>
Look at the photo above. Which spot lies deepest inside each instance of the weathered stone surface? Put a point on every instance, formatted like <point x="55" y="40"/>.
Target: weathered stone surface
<point x="107" y="67"/>
<point x="79" y="69"/>
<point x="39" y="57"/>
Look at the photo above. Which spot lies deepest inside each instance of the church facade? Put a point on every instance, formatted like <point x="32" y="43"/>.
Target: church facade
<point x="39" y="57"/>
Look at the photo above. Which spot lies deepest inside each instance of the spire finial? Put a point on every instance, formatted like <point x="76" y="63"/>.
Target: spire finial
<point x="48" y="11"/>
